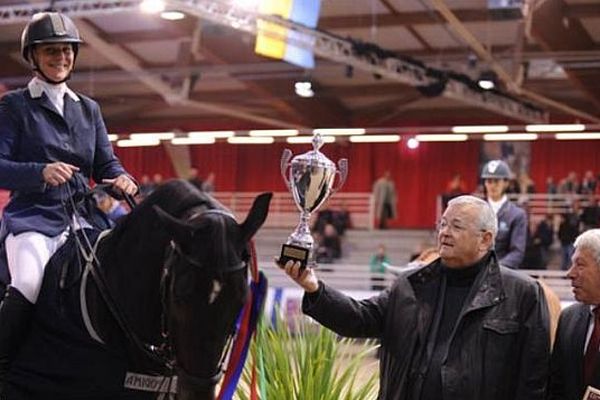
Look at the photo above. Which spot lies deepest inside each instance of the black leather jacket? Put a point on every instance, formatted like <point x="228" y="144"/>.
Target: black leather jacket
<point x="499" y="349"/>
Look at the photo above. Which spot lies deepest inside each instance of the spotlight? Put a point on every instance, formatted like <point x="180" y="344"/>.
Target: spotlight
<point x="487" y="80"/>
<point x="412" y="143"/>
<point x="304" y="89"/>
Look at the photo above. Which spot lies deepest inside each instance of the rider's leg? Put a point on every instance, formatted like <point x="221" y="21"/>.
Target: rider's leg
<point x="27" y="253"/>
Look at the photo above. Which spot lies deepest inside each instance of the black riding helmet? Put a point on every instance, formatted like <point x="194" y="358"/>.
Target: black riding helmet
<point x="49" y="27"/>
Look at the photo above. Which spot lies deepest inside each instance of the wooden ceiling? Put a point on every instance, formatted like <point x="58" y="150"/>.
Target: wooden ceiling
<point x="132" y="62"/>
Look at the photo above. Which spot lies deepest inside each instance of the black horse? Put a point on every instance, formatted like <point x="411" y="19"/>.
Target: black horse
<point x="171" y="279"/>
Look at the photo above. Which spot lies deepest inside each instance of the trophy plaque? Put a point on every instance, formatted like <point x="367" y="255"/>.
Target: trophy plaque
<point x="311" y="182"/>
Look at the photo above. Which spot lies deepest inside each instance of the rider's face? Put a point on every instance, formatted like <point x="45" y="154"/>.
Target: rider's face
<point x="55" y="60"/>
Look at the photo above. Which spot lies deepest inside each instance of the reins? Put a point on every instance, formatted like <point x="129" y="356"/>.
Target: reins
<point x="238" y="342"/>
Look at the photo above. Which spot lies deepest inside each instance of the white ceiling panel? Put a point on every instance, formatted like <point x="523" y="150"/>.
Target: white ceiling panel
<point x="330" y="8"/>
<point x="390" y="38"/>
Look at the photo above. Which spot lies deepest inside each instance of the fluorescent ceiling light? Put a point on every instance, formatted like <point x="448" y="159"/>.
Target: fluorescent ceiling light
<point x="113" y="137"/>
<point x="172" y="15"/>
<point x="250" y="140"/>
<point x="374" y="139"/>
<point x="308" y="139"/>
<point x="274" y="132"/>
<point x="555" y="128"/>
<point x="578" y="136"/>
<point x="137" y="143"/>
<point x="442" y="138"/>
<point x="152" y="6"/>
<point x="479" y="129"/>
<point x="214" y="134"/>
<point x="510" y="137"/>
<point x="340" y="131"/>
<point x="152" y="136"/>
<point x="197" y="140"/>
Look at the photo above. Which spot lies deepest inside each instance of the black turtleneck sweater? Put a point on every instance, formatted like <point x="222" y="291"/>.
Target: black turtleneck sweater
<point x="455" y="288"/>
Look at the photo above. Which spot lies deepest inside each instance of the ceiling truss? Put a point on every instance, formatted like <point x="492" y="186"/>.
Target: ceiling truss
<point x="323" y="44"/>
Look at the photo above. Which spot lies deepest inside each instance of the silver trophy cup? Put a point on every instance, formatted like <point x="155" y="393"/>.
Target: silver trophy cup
<point x="311" y="179"/>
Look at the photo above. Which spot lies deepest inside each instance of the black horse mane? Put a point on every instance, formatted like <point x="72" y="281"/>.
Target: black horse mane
<point x="174" y="196"/>
<point x="134" y="251"/>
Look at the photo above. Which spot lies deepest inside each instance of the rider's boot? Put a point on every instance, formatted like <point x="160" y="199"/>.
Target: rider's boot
<point x="15" y="318"/>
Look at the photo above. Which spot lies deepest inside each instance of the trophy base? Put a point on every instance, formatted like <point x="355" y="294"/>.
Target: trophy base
<point x="294" y="253"/>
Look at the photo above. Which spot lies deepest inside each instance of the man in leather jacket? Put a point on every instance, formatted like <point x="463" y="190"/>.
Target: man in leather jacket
<point x="460" y="328"/>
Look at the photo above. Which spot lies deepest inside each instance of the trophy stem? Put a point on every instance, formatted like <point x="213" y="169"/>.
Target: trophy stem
<point x="301" y="235"/>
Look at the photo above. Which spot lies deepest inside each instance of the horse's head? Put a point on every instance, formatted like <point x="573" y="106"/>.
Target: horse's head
<point x="206" y="289"/>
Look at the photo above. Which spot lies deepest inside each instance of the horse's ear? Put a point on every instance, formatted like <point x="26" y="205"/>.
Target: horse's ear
<point x="257" y="215"/>
<point x="176" y="228"/>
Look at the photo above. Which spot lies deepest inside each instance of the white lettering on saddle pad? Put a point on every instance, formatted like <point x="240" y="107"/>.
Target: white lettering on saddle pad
<point x="149" y="383"/>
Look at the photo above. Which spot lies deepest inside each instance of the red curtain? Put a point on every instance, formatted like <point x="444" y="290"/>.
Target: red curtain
<point x="557" y="158"/>
<point x="420" y="175"/>
<point x="149" y="160"/>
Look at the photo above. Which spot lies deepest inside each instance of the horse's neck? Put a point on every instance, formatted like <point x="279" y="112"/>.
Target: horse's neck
<point x="184" y="394"/>
<point x="134" y="279"/>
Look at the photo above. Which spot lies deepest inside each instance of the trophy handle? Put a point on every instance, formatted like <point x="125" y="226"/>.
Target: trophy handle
<point x="285" y="162"/>
<point x="343" y="174"/>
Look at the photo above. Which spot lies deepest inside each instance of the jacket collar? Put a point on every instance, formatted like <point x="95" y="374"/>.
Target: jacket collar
<point x="37" y="87"/>
<point x="488" y="288"/>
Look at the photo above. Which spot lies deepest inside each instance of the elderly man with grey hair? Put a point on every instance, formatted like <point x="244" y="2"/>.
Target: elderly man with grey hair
<point x="575" y="357"/>
<point x="459" y="328"/>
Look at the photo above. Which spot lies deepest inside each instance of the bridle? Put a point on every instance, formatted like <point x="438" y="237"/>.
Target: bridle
<point x="176" y="254"/>
<point x="163" y="354"/>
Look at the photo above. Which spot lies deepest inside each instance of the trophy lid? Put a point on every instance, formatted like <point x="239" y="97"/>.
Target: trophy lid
<point x="314" y="157"/>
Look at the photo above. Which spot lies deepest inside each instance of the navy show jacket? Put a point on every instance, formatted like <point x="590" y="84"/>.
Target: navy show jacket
<point x="33" y="134"/>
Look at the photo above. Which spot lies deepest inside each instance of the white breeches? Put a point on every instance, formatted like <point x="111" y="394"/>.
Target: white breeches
<point x="28" y="253"/>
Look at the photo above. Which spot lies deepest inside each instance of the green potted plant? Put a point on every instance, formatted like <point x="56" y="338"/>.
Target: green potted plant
<point x="304" y="361"/>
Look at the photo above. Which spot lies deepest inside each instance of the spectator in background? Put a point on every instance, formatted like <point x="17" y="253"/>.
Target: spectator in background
<point x="526" y="184"/>
<point x="384" y="193"/>
<point x="157" y="179"/>
<point x="512" y="220"/>
<point x="588" y="184"/>
<point x="539" y="239"/>
<point x="329" y="245"/>
<point x="551" y="186"/>
<point x="146" y="186"/>
<point x="377" y="266"/>
<point x="194" y="179"/>
<point x="209" y="183"/>
<point x="590" y="216"/>
<point x="568" y="231"/>
<point x="110" y="206"/>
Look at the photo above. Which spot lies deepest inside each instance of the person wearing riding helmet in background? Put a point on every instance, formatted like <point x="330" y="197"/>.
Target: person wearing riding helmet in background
<point x="48" y="135"/>
<point x="512" y="220"/>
